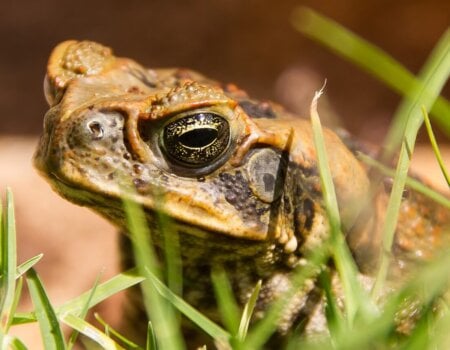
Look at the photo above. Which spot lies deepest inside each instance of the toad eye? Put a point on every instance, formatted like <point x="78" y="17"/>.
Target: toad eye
<point x="196" y="140"/>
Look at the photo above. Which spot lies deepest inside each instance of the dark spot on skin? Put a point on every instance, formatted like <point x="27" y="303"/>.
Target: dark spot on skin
<point x="139" y="183"/>
<point x="230" y="197"/>
<point x="287" y="204"/>
<point x="261" y="211"/>
<point x="91" y="107"/>
<point x="111" y="176"/>
<point x="269" y="182"/>
<point x="127" y="156"/>
<point x="114" y="139"/>
<point x="236" y="190"/>
<point x="137" y="168"/>
<point x="257" y="110"/>
<point x="143" y="77"/>
<point x="133" y="90"/>
<point x="308" y="211"/>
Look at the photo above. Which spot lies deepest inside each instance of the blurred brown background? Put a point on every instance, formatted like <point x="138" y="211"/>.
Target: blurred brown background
<point x="250" y="43"/>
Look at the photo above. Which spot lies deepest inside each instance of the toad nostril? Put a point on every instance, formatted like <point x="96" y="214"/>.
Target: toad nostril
<point x="96" y="129"/>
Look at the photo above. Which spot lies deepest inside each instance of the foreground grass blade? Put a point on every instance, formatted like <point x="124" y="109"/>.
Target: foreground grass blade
<point x="433" y="76"/>
<point x="104" y="290"/>
<point x="366" y="55"/>
<point x="48" y="323"/>
<point x="248" y="312"/>
<point x="8" y="262"/>
<point x="435" y="146"/>
<point x="226" y="302"/>
<point x="195" y="316"/>
<point x="160" y="312"/>
<point x="111" y="331"/>
<point x="173" y="263"/>
<point x="151" y="338"/>
<point x="90" y="331"/>
<point x="430" y="281"/>
<point x="412" y="183"/>
<point x="335" y="319"/>
<point x="24" y="267"/>
<point x="83" y="314"/>
<point x="355" y="300"/>
<point x="263" y="329"/>
<point x="12" y="343"/>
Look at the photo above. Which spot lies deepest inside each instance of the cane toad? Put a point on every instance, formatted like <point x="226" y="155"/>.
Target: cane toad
<point x="237" y="176"/>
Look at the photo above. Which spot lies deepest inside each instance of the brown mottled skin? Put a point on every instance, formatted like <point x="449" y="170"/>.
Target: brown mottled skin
<point x="239" y="177"/>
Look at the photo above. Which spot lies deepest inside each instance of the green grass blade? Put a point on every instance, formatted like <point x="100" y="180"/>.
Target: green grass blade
<point x="422" y="332"/>
<point x="24" y="267"/>
<point x="354" y="300"/>
<point x="335" y="319"/>
<point x="263" y="329"/>
<point x="431" y="280"/>
<point x="441" y="339"/>
<point x="83" y="313"/>
<point x="435" y="146"/>
<point x="12" y="343"/>
<point x="48" y="323"/>
<point x="431" y="78"/>
<point x="16" y="300"/>
<point x="195" y="316"/>
<point x="8" y="262"/>
<point x="90" y="331"/>
<point x="151" y="338"/>
<point x="226" y="302"/>
<point x="23" y="317"/>
<point x="434" y="75"/>
<point x="410" y="182"/>
<point x="160" y="312"/>
<point x="111" y="331"/>
<point x="366" y="55"/>
<point x="248" y="312"/>
<point x="105" y="290"/>
<point x="173" y="263"/>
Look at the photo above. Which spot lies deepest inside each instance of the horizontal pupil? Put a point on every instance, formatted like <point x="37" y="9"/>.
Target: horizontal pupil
<point x="198" y="138"/>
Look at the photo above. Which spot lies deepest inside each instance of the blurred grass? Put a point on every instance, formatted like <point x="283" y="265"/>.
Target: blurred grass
<point x="357" y="321"/>
<point x="371" y="59"/>
<point x="435" y="146"/>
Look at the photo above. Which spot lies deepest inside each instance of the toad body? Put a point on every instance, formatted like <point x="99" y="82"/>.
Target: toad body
<point x="237" y="177"/>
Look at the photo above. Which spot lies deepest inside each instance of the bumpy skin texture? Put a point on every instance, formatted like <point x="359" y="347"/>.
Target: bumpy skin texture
<point x="238" y="177"/>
